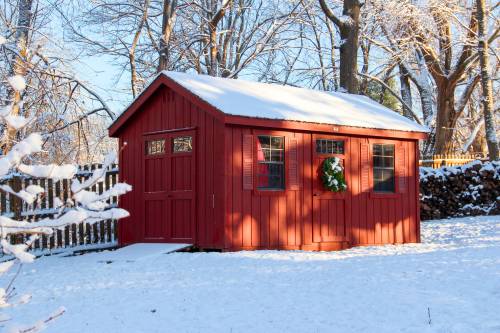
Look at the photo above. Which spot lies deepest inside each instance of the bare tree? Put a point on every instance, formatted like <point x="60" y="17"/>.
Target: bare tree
<point x="487" y="89"/>
<point x="348" y="25"/>
<point x="56" y="102"/>
<point x="435" y="42"/>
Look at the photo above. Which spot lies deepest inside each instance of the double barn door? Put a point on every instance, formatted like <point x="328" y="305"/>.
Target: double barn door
<point x="330" y="209"/>
<point x="169" y="187"/>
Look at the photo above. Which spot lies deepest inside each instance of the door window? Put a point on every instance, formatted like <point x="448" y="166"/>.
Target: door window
<point x="155" y="147"/>
<point x="327" y="146"/>
<point x="182" y="144"/>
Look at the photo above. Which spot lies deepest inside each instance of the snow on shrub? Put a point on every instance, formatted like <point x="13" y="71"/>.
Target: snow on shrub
<point x="470" y="189"/>
<point x="83" y="205"/>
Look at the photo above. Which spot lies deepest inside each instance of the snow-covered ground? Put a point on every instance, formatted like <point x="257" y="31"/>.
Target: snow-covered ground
<point x="449" y="283"/>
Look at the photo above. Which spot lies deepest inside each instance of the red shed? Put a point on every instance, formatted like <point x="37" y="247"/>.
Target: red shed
<point x="232" y="164"/>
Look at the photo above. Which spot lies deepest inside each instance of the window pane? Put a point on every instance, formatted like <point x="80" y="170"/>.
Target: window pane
<point x="264" y="141"/>
<point x="275" y="169"/>
<point x="276" y="142"/>
<point x="262" y="169"/>
<point x="388" y="150"/>
<point x="386" y="181"/>
<point x="388" y="162"/>
<point x="263" y="181"/>
<point x="269" y="169"/>
<point x="383" y="168"/>
<point x="275" y="182"/>
<point x="270" y="157"/>
<point x="155" y="147"/>
<point x="327" y="146"/>
<point x="265" y="155"/>
<point x="277" y="155"/>
<point x="377" y="174"/>
<point x="377" y="161"/>
<point x="182" y="144"/>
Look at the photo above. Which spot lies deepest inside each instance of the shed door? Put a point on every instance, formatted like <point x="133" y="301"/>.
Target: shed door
<point x="330" y="209"/>
<point x="169" y="189"/>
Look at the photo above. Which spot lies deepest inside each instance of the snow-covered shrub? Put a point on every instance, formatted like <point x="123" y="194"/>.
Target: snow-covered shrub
<point x="83" y="205"/>
<point x="470" y="189"/>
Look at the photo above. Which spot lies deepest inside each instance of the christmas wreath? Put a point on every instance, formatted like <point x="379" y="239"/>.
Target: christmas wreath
<point x="333" y="175"/>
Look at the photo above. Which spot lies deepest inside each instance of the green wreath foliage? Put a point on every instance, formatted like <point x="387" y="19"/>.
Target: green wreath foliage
<point x="333" y="175"/>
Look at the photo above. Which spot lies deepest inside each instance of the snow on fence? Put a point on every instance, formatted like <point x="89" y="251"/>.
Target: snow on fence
<point x="76" y="236"/>
<point x="438" y="161"/>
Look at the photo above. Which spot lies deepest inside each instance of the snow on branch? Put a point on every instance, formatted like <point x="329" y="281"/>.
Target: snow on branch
<point x="97" y="175"/>
<point x="17" y="82"/>
<point x="28" y="195"/>
<point x="53" y="171"/>
<point x="82" y="206"/>
<point x="30" y="145"/>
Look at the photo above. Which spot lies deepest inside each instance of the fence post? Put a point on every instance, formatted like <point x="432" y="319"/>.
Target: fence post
<point x="16" y="205"/>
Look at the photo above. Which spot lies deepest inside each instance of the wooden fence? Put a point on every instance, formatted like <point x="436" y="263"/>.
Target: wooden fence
<point x="437" y="161"/>
<point x="77" y="236"/>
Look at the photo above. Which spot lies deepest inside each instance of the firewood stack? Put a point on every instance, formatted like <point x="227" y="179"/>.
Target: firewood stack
<point x="470" y="189"/>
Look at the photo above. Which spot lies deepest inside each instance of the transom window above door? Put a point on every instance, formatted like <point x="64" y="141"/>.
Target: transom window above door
<point x="328" y="146"/>
<point x="155" y="147"/>
<point x="270" y="162"/>
<point x="182" y="144"/>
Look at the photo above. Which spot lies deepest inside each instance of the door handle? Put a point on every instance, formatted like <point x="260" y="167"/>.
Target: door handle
<point x="316" y="194"/>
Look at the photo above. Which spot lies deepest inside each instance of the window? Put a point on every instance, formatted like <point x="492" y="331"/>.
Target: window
<point x="155" y="147"/>
<point x="270" y="162"/>
<point x="383" y="168"/>
<point x="326" y="146"/>
<point x="182" y="144"/>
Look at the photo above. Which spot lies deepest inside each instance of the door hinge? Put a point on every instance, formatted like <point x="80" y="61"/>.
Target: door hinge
<point x="213" y="200"/>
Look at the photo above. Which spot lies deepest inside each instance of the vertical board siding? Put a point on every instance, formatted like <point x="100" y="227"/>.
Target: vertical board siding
<point x="259" y="220"/>
<point x="232" y="215"/>
<point x="167" y="110"/>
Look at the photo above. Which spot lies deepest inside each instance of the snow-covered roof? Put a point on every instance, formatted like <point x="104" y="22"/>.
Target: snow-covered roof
<point x="272" y="101"/>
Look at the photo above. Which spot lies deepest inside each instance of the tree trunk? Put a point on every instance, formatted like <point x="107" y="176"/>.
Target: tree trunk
<point x="404" y="80"/>
<point x="349" y="34"/>
<point x="365" y="51"/>
<point x="168" y="20"/>
<point x="445" y="119"/>
<point x="213" y="67"/>
<point x="487" y="91"/>
<point x="23" y="28"/>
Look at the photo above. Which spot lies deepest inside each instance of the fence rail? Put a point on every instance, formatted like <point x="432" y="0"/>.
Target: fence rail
<point x="437" y="161"/>
<point x="76" y="236"/>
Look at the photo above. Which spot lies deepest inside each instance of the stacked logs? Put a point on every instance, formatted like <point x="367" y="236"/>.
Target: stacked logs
<point x="470" y="189"/>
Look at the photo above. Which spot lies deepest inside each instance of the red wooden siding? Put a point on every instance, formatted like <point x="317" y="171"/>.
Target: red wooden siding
<point x="164" y="111"/>
<point x="297" y="219"/>
<point x="209" y="197"/>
